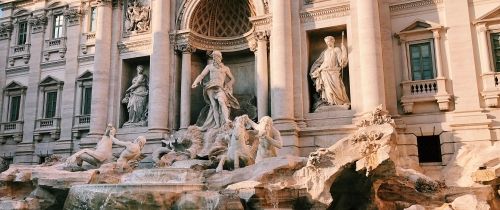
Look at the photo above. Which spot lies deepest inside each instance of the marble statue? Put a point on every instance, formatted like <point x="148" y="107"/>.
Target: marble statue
<point x="102" y="153"/>
<point x="136" y="98"/>
<point x="217" y="92"/>
<point x="131" y="154"/>
<point x="269" y="138"/>
<point x="138" y="17"/>
<point x="238" y="148"/>
<point x="326" y="73"/>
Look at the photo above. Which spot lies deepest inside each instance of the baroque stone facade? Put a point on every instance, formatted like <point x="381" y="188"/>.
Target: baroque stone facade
<point x="66" y="66"/>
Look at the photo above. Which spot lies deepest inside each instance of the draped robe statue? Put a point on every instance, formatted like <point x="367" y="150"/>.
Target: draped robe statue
<point x="136" y="98"/>
<point x="326" y="73"/>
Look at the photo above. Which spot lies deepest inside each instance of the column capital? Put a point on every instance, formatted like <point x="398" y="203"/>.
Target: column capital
<point x="252" y="45"/>
<point x="261" y="35"/>
<point x="38" y="23"/>
<point x="185" y="48"/>
<point x="482" y="27"/>
<point x="72" y="15"/>
<point x="6" y="30"/>
<point x="103" y="3"/>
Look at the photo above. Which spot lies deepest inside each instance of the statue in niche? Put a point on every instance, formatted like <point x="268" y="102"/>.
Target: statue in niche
<point x="101" y="154"/>
<point x="326" y="73"/>
<point x="217" y="92"/>
<point x="138" y="17"/>
<point x="136" y="98"/>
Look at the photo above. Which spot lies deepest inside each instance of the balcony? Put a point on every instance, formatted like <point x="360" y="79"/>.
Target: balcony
<point x="491" y="88"/>
<point x="80" y="123"/>
<point x="14" y="129"/>
<point x="433" y="90"/>
<point x="19" y="52"/>
<point x="52" y="46"/>
<point x="88" y="40"/>
<point x="51" y="126"/>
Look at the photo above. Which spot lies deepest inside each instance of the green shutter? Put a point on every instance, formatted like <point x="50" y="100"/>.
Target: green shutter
<point x="86" y="101"/>
<point x="422" y="66"/>
<point x="15" y="105"/>
<point x="495" y="44"/>
<point x="22" y="33"/>
<point x="50" y="104"/>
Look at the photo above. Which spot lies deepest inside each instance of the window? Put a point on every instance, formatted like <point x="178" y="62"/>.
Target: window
<point x="50" y="104"/>
<point x="429" y="149"/>
<point x="495" y="45"/>
<point x="93" y="19"/>
<point x="22" y="33"/>
<point x="86" y="100"/>
<point x="14" y="106"/>
<point x="58" y="26"/>
<point x="421" y="60"/>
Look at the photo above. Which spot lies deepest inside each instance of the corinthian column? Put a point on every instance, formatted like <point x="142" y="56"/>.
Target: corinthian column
<point x="281" y="63"/>
<point x="102" y="65"/>
<point x="185" y="108"/>
<point x="370" y="54"/>
<point x="261" y="73"/>
<point x="159" y="85"/>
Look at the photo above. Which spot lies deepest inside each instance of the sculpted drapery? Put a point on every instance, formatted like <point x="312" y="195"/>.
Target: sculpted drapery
<point x="326" y="73"/>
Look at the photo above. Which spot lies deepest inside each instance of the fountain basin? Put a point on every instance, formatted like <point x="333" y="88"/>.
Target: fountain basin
<point x="127" y="196"/>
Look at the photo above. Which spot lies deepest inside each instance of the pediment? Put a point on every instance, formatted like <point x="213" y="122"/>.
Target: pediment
<point x="14" y="85"/>
<point x="20" y="12"/>
<point x="49" y="80"/>
<point x="87" y="75"/>
<point x="490" y="16"/>
<point x="419" y="25"/>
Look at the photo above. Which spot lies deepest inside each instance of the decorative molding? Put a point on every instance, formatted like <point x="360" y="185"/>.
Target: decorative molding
<point x="103" y="3"/>
<point x="85" y="58"/>
<point x="49" y="64"/>
<point x="72" y="16"/>
<point x="38" y="23"/>
<point x="261" y="21"/>
<point x="17" y="69"/>
<point x="136" y="45"/>
<point x="198" y="41"/>
<point x="324" y="13"/>
<point x="413" y="4"/>
<point x="6" y="30"/>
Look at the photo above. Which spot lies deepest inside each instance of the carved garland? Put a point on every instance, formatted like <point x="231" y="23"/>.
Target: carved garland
<point x="38" y="23"/>
<point x="5" y="30"/>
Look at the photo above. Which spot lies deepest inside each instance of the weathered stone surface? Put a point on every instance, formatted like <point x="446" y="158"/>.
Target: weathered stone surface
<point x="265" y="169"/>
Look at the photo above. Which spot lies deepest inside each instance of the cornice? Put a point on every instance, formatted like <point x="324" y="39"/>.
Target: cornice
<point x="324" y="13"/>
<point x="413" y="5"/>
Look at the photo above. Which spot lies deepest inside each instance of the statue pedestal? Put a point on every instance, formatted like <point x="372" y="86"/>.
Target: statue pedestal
<point x="330" y="108"/>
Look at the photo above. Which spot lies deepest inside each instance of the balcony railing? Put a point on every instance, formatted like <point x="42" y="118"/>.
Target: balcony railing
<point x="82" y="121"/>
<point x="20" y="49"/>
<point x="491" y="88"/>
<point x="11" y="127"/>
<point x="90" y="36"/>
<point x="420" y="88"/>
<point x="55" y="43"/>
<point x="48" y="124"/>
<point x="425" y="91"/>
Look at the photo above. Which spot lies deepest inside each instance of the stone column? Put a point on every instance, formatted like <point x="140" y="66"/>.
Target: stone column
<point x="437" y="48"/>
<point x="487" y="74"/>
<point x="281" y="75"/>
<point x="159" y="84"/>
<point x="185" y="108"/>
<point x="404" y="57"/>
<point x="102" y="64"/>
<point x="261" y="73"/>
<point x="66" y="103"/>
<point x="484" y="49"/>
<point x="370" y="54"/>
